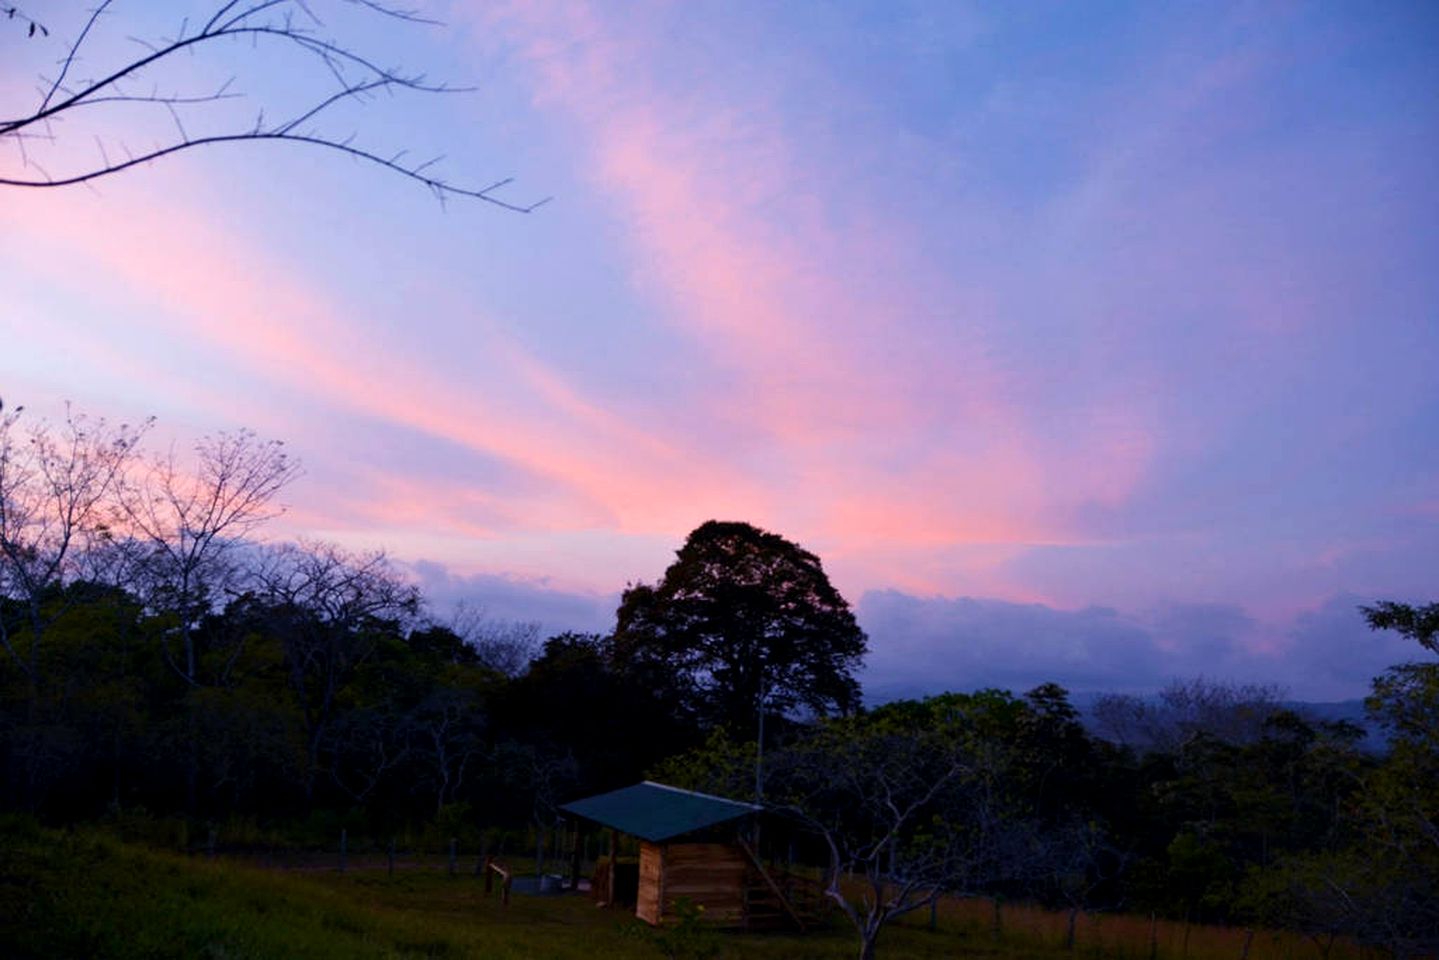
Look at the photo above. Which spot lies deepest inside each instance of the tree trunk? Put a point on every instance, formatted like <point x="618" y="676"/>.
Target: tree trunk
<point x="192" y="755"/>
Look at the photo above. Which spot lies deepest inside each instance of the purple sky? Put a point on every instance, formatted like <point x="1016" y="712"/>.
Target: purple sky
<point x="1090" y="342"/>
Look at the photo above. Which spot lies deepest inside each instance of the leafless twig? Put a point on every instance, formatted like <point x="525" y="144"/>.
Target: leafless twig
<point x="357" y="77"/>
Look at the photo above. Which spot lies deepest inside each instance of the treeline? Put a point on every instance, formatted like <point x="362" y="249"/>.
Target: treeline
<point x="157" y="658"/>
<point x="1235" y="811"/>
<point x="327" y="692"/>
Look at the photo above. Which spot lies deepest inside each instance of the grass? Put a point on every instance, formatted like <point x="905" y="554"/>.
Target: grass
<point x="86" y="895"/>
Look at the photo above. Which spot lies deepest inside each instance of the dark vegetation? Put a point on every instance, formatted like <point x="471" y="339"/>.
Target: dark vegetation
<point x="167" y="676"/>
<point x="90" y="896"/>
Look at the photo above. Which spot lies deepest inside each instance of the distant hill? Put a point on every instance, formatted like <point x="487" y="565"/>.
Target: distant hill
<point x="1374" y="741"/>
<point x="1353" y="711"/>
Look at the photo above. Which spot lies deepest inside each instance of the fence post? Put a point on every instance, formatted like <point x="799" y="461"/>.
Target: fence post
<point x="391" y="857"/>
<point x="452" y="856"/>
<point x="1153" y="935"/>
<point x="575" y="859"/>
<point x="614" y="863"/>
<point x="996" y="929"/>
<point x="344" y="849"/>
<point x="1248" y="939"/>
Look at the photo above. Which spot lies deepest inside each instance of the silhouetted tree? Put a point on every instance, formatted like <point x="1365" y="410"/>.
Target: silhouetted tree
<point x="505" y="646"/>
<point x="909" y="804"/>
<point x="741" y="616"/>
<point x="330" y="609"/>
<point x="56" y="509"/>
<point x="57" y="489"/>
<point x="192" y="519"/>
<point x="573" y="697"/>
<point x="1402" y="803"/>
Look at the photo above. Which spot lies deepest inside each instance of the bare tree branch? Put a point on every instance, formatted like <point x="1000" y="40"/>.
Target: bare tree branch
<point x="33" y="26"/>
<point x="357" y="76"/>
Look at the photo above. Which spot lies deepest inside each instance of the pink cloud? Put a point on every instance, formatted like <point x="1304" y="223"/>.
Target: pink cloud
<point x="207" y="286"/>
<point x="713" y="189"/>
<point x="842" y="424"/>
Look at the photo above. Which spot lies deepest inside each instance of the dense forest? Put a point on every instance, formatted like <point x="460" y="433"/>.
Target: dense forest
<point x="162" y="661"/>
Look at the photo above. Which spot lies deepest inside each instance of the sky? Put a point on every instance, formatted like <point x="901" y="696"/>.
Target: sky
<point x="1092" y="342"/>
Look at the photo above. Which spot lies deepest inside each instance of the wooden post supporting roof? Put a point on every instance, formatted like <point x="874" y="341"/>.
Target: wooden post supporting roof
<point x="575" y="859"/>
<point x="614" y="863"/>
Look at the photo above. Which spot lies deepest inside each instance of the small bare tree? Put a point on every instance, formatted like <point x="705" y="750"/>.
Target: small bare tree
<point x="905" y="813"/>
<point x="447" y="725"/>
<point x="57" y="488"/>
<point x="368" y="745"/>
<point x="1079" y="858"/>
<point x="57" y="506"/>
<point x="193" y="521"/>
<point x="117" y="87"/>
<point x="1231" y="713"/>
<point x="505" y="646"/>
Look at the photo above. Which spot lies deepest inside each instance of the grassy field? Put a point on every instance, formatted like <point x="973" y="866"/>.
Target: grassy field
<point x="85" y="895"/>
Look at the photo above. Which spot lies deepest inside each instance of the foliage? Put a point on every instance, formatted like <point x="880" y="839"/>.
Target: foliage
<point x="883" y="799"/>
<point x="298" y="690"/>
<point x="719" y="766"/>
<point x="574" y="699"/>
<point x="57" y="489"/>
<point x="742" y="618"/>
<point x="1418" y="623"/>
<point x="1378" y="880"/>
<point x="84" y="895"/>
<point x="688" y="937"/>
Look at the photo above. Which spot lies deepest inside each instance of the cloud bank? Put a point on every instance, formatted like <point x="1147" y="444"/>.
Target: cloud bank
<point x="514" y="598"/>
<point x="922" y="646"/>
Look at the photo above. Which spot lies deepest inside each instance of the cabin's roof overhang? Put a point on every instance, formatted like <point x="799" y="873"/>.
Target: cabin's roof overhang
<point x="657" y="812"/>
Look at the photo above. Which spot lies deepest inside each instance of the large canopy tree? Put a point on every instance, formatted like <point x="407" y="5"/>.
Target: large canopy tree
<point x="743" y="616"/>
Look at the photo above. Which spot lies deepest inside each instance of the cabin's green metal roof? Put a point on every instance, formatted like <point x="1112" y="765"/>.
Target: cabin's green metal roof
<point x="656" y="812"/>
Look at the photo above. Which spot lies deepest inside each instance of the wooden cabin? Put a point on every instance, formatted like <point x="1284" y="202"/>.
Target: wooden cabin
<point x="691" y="845"/>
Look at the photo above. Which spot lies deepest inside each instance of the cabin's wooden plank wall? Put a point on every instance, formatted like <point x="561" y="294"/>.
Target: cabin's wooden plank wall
<point x="709" y="874"/>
